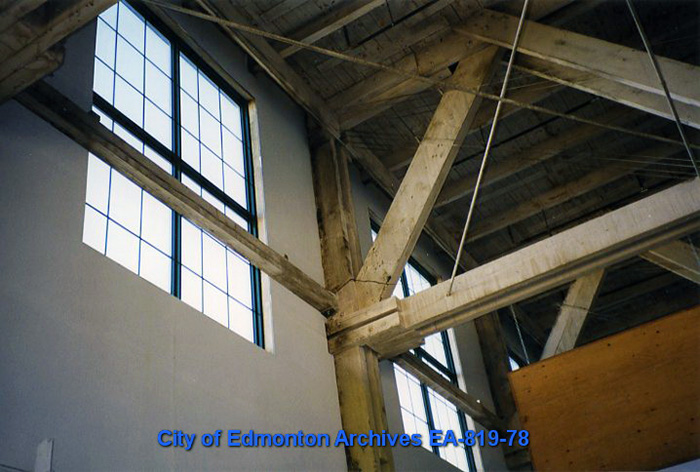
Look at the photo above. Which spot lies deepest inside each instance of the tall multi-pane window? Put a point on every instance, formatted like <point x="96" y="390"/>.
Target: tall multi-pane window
<point x="150" y="90"/>
<point x="423" y="409"/>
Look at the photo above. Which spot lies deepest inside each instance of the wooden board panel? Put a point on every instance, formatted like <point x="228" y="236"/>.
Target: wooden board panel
<point x="627" y="402"/>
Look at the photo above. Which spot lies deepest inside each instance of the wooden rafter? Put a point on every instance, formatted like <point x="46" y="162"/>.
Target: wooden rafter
<point x="419" y="189"/>
<point x="84" y="129"/>
<point x="572" y="315"/>
<point x="678" y="257"/>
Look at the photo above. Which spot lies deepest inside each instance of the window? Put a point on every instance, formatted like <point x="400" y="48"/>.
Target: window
<point x="150" y="90"/>
<point x="423" y="409"/>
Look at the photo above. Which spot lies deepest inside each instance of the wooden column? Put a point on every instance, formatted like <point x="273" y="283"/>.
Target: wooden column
<point x="357" y="368"/>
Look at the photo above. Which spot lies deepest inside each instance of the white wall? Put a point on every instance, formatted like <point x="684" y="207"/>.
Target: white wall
<point x="370" y="201"/>
<point x="100" y="360"/>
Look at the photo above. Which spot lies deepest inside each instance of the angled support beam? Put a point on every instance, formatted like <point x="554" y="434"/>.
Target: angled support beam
<point x="678" y="257"/>
<point x="566" y="256"/>
<point x="46" y="63"/>
<point x="330" y="22"/>
<point x="272" y="63"/>
<point x="451" y="392"/>
<point x="609" y="89"/>
<point x="565" y="192"/>
<point x="573" y="313"/>
<point x="586" y="54"/>
<point x="73" y="15"/>
<point x="419" y="189"/>
<point x="15" y="10"/>
<point x="84" y="129"/>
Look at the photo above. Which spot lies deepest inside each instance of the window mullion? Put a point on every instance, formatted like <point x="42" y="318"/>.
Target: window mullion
<point x="177" y="169"/>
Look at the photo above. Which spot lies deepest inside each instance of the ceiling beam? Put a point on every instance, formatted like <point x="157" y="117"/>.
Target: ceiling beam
<point x="272" y="63"/>
<point x="572" y="137"/>
<point x="586" y="54"/>
<point x="45" y="64"/>
<point x="611" y="90"/>
<point x="465" y="402"/>
<point x="602" y="175"/>
<point x="32" y="52"/>
<point x="572" y="315"/>
<point x="85" y="129"/>
<point x="678" y="257"/>
<point x="415" y="198"/>
<point x="15" y="10"/>
<point x="559" y="259"/>
<point x="339" y="16"/>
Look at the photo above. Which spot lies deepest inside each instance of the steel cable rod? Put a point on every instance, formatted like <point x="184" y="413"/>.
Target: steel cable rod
<point x="487" y="150"/>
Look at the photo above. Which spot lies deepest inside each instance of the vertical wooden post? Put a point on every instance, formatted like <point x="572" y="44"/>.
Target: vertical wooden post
<point x="357" y="369"/>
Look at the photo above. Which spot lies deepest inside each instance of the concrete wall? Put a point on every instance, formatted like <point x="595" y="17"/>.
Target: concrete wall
<point x="101" y="360"/>
<point x="371" y="203"/>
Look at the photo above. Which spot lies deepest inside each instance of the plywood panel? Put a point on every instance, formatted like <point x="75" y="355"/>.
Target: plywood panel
<point x="627" y="402"/>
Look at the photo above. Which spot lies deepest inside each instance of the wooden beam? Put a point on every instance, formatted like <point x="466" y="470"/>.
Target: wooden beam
<point x="423" y="181"/>
<point x="620" y="234"/>
<point x="15" y="10"/>
<point x="73" y="15"/>
<point x="341" y="15"/>
<point x="531" y="156"/>
<point x="85" y="130"/>
<point x="46" y="63"/>
<point x="362" y="407"/>
<point x="587" y="54"/>
<point x="614" y="299"/>
<point x="272" y="63"/>
<point x="611" y="90"/>
<point x="565" y="192"/>
<point x="340" y="245"/>
<point x="678" y="257"/>
<point x="450" y="392"/>
<point x="573" y="313"/>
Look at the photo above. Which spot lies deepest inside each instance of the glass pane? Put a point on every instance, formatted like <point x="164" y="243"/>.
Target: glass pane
<point x="158" y="49"/>
<point x="162" y="162"/>
<point x="132" y="140"/>
<point x="191" y="289"/>
<point x="210" y="131"/>
<point x="110" y="16"/>
<point x="212" y="167"/>
<point x="240" y="221"/>
<point x="191" y="246"/>
<point x="214" y="260"/>
<point x="158" y="124"/>
<point x="95" y="229"/>
<point x="129" y="64"/>
<point x="436" y="348"/>
<point x="105" y="44"/>
<point x="209" y="95"/>
<point x="190" y="150"/>
<point x="123" y="247"/>
<point x="233" y="152"/>
<point x="188" y="76"/>
<point x="97" y="192"/>
<point x="234" y="186"/>
<point x="191" y="184"/>
<point x="103" y="83"/>
<point x="155" y="267"/>
<point x="158" y="88"/>
<point x="128" y="101"/>
<point x="240" y="319"/>
<point x="218" y="204"/>
<point x="239" y="283"/>
<point x="125" y="202"/>
<point x="231" y="115"/>
<point x="215" y="304"/>
<point x="189" y="114"/>
<point x="131" y="26"/>
<point x="157" y="221"/>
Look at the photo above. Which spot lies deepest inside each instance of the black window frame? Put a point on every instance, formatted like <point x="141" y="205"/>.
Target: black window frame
<point x="180" y="168"/>
<point x="448" y="370"/>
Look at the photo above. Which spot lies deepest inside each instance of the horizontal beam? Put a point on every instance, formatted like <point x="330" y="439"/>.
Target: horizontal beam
<point x="600" y="242"/>
<point x="46" y="63"/>
<point x="465" y="402"/>
<point x="587" y="54"/>
<point x="15" y="10"/>
<point x="678" y="257"/>
<point x="84" y="129"/>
